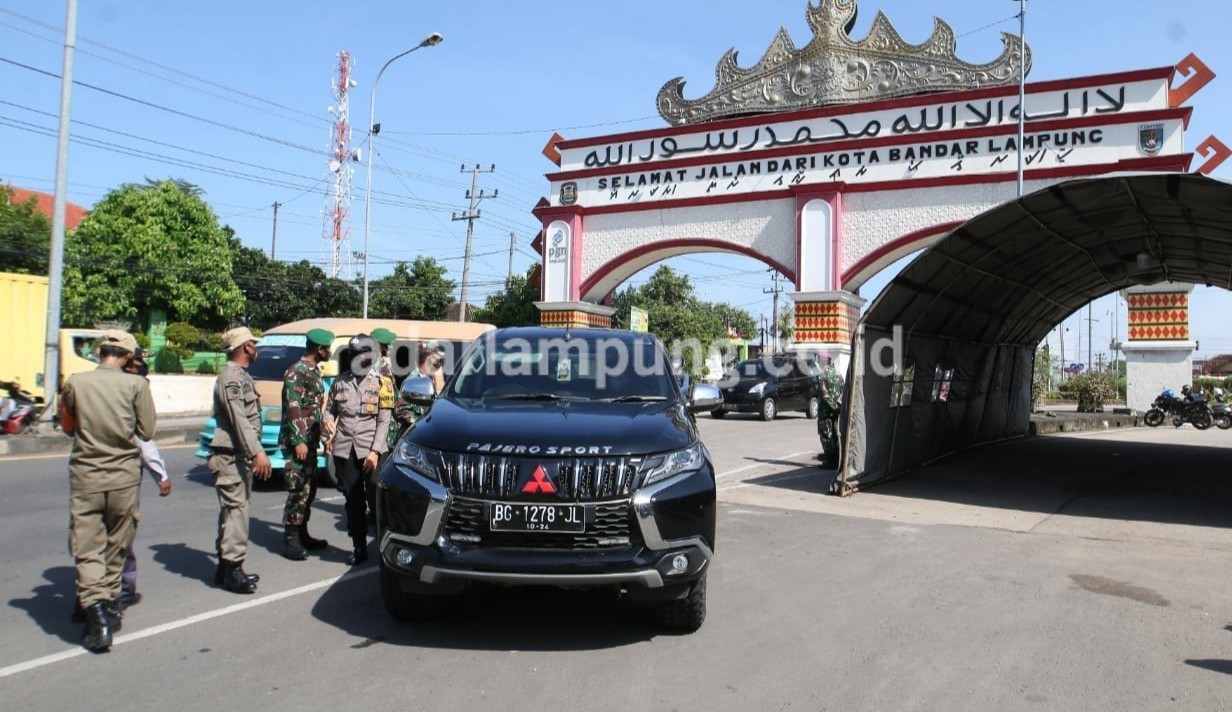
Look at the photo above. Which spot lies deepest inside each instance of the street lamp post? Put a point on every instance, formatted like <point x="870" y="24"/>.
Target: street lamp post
<point x="429" y="41"/>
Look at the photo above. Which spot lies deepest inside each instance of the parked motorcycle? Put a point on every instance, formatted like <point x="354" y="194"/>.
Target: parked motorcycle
<point x="1180" y="410"/>
<point x="18" y="409"/>
<point x="1222" y="411"/>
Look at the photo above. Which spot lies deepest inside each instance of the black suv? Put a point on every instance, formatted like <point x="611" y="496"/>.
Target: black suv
<point x="767" y="386"/>
<point x="553" y="457"/>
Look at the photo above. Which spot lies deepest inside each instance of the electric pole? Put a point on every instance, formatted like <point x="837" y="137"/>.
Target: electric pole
<point x="470" y="216"/>
<point x="513" y="239"/>
<point x="274" y="239"/>
<point x="774" y="321"/>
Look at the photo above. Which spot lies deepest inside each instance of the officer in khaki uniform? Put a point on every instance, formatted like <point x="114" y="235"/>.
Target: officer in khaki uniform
<point x="358" y="415"/>
<point x="303" y="402"/>
<point x="236" y="456"/>
<point x="104" y="409"/>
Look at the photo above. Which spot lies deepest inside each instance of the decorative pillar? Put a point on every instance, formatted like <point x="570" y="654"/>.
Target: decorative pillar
<point x="824" y="324"/>
<point x="577" y="315"/>
<point x="1159" y="353"/>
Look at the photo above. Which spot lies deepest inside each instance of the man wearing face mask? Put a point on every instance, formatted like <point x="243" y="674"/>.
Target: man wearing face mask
<point x="236" y="456"/>
<point x="106" y="409"/>
<point x="303" y="398"/>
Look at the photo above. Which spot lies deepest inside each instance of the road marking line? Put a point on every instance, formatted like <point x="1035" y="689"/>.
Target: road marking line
<point x="52" y="456"/>
<point x="336" y="498"/>
<point x="781" y="478"/>
<point x="729" y="473"/>
<point x="184" y="622"/>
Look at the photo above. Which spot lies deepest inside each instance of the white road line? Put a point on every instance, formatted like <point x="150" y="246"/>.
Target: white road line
<point x="54" y="455"/>
<point x="337" y="498"/>
<point x="263" y="600"/>
<point x="729" y="473"/>
<point x="184" y="622"/>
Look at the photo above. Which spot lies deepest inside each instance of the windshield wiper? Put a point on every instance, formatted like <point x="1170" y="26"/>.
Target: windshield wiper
<point x="532" y="396"/>
<point x="634" y="399"/>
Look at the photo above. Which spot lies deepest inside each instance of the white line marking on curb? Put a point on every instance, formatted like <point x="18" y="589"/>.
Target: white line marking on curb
<point x="729" y="473"/>
<point x="183" y="622"/>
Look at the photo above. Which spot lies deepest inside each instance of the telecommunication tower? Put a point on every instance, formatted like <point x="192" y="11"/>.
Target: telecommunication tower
<point x="336" y="230"/>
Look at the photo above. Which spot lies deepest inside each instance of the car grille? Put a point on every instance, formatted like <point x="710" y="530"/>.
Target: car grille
<point x="609" y="526"/>
<point x="575" y="479"/>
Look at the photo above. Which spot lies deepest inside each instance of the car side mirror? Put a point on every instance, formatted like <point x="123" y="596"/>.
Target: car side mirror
<point x="419" y="391"/>
<point x="704" y="397"/>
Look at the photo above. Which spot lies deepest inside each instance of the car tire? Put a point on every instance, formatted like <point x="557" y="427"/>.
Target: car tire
<point x="769" y="409"/>
<point x="813" y="408"/>
<point x="685" y="615"/>
<point x="718" y="414"/>
<point x="402" y="606"/>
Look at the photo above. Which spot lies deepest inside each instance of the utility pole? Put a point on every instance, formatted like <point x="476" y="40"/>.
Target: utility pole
<point x="1089" y="320"/>
<point x="274" y="239"/>
<point x="1064" y="364"/>
<point x="470" y="216"/>
<point x="513" y="240"/>
<point x="55" y="259"/>
<point x="774" y="320"/>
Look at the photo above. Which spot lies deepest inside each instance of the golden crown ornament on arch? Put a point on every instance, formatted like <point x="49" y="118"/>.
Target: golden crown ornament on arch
<point x="835" y="69"/>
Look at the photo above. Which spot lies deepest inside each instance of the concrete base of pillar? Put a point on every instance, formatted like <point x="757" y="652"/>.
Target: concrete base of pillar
<point x="578" y="315"/>
<point x="1152" y="367"/>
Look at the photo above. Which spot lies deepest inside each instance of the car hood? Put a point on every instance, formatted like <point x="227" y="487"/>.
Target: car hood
<point x="555" y="428"/>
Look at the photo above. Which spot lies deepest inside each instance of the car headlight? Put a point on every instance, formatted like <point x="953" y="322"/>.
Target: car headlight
<point x="422" y="460"/>
<point x="758" y="389"/>
<point x="661" y="467"/>
<point x="272" y="415"/>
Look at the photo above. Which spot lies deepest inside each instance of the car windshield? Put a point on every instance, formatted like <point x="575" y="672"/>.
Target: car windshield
<point x="590" y="369"/>
<point x="753" y="368"/>
<point x="273" y="361"/>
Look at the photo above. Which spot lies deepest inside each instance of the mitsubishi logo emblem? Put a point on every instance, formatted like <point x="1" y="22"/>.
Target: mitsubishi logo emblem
<point x="539" y="483"/>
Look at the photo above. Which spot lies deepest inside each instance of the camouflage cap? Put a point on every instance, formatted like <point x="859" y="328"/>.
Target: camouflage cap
<point x="237" y="337"/>
<point x="320" y="337"/>
<point x="383" y="336"/>
<point x="119" y="339"/>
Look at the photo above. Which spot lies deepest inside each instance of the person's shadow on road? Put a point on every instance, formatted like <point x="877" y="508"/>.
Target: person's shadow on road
<point x="51" y="604"/>
<point x="186" y="561"/>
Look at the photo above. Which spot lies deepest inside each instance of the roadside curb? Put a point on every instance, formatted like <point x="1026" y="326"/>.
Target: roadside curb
<point x="1083" y="422"/>
<point x="60" y="444"/>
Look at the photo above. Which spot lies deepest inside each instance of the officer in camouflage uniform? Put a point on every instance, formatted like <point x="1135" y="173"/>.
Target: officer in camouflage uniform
<point x="827" y="415"/>
<point x="303" y="401"/>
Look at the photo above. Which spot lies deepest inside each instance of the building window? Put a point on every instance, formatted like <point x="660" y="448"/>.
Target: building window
<point x="943" y="378"/>
<point x="904" y="377"/>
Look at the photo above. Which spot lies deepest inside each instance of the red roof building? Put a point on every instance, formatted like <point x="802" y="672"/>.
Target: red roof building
<point x="73" y="214"/>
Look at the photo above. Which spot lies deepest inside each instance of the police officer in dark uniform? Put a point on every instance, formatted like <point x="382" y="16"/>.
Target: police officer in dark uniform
<point x="303" y="403"/>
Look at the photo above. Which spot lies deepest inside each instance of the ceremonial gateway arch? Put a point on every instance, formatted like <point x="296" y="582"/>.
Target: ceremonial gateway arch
<point x="830" y="162"/>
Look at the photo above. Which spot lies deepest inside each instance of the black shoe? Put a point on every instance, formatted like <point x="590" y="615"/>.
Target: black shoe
<point x="97" y="636"/>
<point x="358" y="555"/>
<point x="292" y="548"/>
<point x="130" y="599"/>
<point x="251" y="577"/>
<point x="220" y="574"/>
<point x="115" y="615"/>
<point x="310" y="542"/>
<point x="234" y="580"/>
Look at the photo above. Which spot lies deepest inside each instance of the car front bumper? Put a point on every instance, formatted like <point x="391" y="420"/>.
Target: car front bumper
<point x="667" y="520"/>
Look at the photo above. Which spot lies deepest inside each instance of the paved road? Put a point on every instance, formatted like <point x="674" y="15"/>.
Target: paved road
<point x="1061" y="573"/>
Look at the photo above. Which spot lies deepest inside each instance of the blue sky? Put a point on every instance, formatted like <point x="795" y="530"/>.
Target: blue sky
<point x="507" y="75"/>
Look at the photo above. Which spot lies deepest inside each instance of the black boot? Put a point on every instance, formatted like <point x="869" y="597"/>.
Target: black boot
<point x="78" y="615"/>
<point x="310" y="542"/>
<point x="115" y="615"/>
<point x="221" y="572"/>
<point x="359" y="552"/>
<point x="97" y="637"/>
<point x="234" y="580"/>
<point x="292" y="548"/>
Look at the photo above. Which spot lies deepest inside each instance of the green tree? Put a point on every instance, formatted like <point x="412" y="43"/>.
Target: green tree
<point x="512" y="306"/>
<point x="277" y="292"/>
<point x="418" y="290"/>
<point x="25" y="236"/>
<point x="677" y="316"/>
<point x="150" y="247"/>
